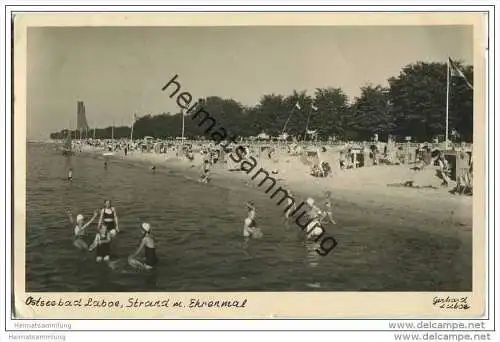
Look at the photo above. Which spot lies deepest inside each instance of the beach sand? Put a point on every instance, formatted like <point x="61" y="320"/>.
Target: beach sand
<point x="376" y="190"/>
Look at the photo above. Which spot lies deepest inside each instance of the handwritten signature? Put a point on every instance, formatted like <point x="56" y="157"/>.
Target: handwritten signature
<point x="455" y="303"/>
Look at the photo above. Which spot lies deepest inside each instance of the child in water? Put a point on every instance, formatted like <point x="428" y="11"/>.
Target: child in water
<point x="79" y="231"/>
<point x="70" y="174"/>
<point x="102" y="242"/>
<point x="327" y="213"/>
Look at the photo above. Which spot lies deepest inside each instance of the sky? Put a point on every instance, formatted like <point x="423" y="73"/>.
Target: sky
<point x="117" y="71"/>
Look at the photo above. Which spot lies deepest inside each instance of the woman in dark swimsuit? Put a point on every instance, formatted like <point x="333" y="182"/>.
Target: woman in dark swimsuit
<point x="148" y="244"/>
<point x="102" y="242"/>
<point x="109" y="218"/>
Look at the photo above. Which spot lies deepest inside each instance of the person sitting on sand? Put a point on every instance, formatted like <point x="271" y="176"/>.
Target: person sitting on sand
<point x="342" y="161"/>
<point x="102" y="242"/>
<point x="79" y="231"/>
<point x="316" y="171"/>
<point x="463" y="178"/>
<point x="443" y="170"/>
<point x="250" y="229"/>
<point x="148" y="244"/>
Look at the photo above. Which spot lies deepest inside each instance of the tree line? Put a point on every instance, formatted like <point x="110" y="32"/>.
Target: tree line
<point x="412" y="105"/>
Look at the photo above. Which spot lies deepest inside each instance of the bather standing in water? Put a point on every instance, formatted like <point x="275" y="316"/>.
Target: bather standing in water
<point x="109" y="218"/>
<point x="148" y="244"/>
<point x="327" y="213"/>
<point x="250" y="228"/>
<point x="79" y="231"/>
<point x="315" y="216"/>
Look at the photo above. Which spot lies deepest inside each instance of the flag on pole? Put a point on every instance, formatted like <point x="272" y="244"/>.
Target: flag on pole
<point x="456" y="72"/>
<point x="313" y="107"/>
<point x="297" y="105"/>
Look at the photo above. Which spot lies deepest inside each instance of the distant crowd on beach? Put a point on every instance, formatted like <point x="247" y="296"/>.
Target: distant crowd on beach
<point x="454" y="162"/>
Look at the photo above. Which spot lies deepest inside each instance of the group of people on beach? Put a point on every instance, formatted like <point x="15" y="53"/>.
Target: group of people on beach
<point x="107" y="231"/>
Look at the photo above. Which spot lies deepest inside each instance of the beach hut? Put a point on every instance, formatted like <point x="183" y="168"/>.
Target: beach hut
<point x="459" y="162"/>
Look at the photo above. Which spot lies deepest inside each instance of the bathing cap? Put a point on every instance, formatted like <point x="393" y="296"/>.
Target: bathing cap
<point x="310" y="201"/>
<point x="146" y="227"/>
<point x="79" y="217"/>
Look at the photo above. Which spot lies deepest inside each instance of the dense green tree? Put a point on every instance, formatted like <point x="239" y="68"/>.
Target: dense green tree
<point x="332" y="113"/>
<point x="418" y="98"/>
<point x="371" y="113"/>
<point x="413" y="105"/>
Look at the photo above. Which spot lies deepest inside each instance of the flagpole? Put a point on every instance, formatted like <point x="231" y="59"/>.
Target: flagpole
<point x="182" y="134"/>
<point x="447" y="100"/>
<point x="288" y="119"/>
<point x="286" y="123"/>
<point x="307" y="124"/>
<point x="132" y="128"/>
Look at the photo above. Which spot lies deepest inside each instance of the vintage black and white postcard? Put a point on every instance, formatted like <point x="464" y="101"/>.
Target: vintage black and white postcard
<point x="249" y="165"/>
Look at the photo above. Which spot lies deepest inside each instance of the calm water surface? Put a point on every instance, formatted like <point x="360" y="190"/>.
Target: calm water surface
<point x="198" y="236"/>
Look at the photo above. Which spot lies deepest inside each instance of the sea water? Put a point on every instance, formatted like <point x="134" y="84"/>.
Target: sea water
<point x="198" y="232"/>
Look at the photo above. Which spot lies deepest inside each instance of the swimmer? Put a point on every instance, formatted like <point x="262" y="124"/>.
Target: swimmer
<point x="102" y="242"/>
<point x="315" y="216"/>
<point x="153" y="169"/>
<point x="250" y="228"/>
<point x="70" y="174"/>
<point x="327" y="213"/>
<point x="105" y="165"/>
<point x="109" y="218"/>
<point x="313" y="210"/>
<point x="291" y="204"/>
<point x="79" y="231"/>
<point x="148" y="244"/>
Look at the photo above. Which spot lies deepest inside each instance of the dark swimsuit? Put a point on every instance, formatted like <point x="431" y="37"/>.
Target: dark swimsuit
<point x="103" y="249"/>
<point x="150" y="254"/>
<point x="109" y="219"/>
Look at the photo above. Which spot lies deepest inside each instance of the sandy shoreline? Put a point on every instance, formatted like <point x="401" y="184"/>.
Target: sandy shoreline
<point x="371" y="188"/>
